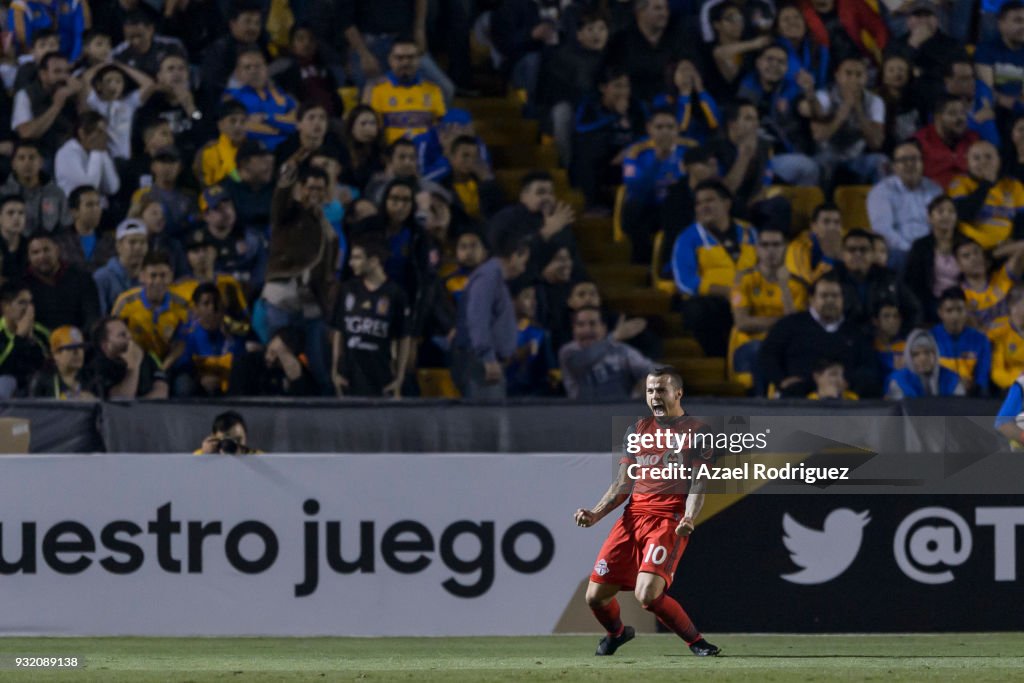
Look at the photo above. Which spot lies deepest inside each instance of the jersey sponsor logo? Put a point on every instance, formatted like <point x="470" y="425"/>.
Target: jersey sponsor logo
<point x="824" y="555"/>
<point x="355" y="324"/>
<point x="601" y="568"/>
<point x="382" y="306"/>
<point x="350" y="301"/>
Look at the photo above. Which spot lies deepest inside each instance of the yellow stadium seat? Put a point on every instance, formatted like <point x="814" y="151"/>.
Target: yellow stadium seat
<point x="802" y="201"/>
<point x="436" y="383"/>
<point x="660" y="283"/>
<point x="349" y="97"/>
<point x="618" y="234"/>
<point x="852" y="201"/>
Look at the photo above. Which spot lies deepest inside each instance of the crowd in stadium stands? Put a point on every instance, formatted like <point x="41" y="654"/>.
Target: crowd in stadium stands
<point x="194" y="208"/>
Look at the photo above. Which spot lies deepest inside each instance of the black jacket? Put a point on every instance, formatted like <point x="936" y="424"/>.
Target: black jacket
<point x="798" y="341"/>
<point x="881" y="284"/>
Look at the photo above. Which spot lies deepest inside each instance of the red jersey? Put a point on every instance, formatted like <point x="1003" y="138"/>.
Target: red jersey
<point x="664" y="497"/>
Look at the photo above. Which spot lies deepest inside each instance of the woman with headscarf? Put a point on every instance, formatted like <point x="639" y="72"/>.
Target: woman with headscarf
<point x="921" y="374"/>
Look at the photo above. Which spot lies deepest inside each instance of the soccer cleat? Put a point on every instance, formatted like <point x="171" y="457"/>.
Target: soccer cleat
<point x="703" y="648"/>
<point x="609" y="644"/>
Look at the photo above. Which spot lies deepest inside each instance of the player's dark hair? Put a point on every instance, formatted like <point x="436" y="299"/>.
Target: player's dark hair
<point x="952" y="294"/>
<point x="535" y="177"/>
<point x="100" y="329"/>
<point x="719" y="10"/>
<point x="211" y="289"/>
<point x="611" y="73"/>
<point x="75" y="198"/>
<point x="675" y="378"/>
<point x="301" y="26"/>
<point x="830" y="277"/>
<point x="403" y="39"/>
<point x="773" y="228"/>
<point x="41" y="235"/>
<point x="227" y="420"/>
<point x="44" y="34"/>
<point x="964" y="241"/>
<point x="307" y="171"/>
<point x="908" y="142"/>
<point x="591" y="16"/>
<point x="848" y="58"/>
<point x="822" y="208"/>
<point x="92" y="34"/>
<point x="249" y="50"/>
<point x="157" y="258"/>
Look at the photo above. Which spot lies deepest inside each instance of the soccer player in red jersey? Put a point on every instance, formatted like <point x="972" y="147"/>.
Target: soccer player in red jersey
<point x="643" y="549"/>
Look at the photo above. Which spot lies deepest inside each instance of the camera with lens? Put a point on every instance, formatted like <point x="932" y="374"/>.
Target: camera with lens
<point x="229" y="446"/>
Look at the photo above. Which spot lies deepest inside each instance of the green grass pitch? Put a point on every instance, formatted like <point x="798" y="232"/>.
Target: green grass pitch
<point x="748" y="658"/>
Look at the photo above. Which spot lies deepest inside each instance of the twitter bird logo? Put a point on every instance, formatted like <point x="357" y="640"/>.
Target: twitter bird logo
<point x="824" y="554"/>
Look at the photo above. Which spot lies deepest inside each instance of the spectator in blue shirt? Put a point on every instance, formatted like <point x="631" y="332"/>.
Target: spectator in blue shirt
<point x="25" y="18"/>
<point x="962" y="349"/>
<point x="981" y="114"/>
<point x="607" y="122"/>
<point x="696" y="111"/>
<point x="922" y="375"/>
<point x="650" y="168"/>
<point x="205" y="365"/>
<point x="1000" y="61"/>
<point x="271" y="111"/>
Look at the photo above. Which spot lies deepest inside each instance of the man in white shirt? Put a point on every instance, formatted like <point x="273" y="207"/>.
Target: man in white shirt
<point x="898" y="204"/>
<point x="84" y="159"/>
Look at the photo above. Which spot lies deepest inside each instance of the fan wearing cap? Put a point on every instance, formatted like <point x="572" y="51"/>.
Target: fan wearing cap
<point x="216" y="160"/>
<point x="22" y="340"/>
<point x="434" y="146"/>
<point x="179" y="204"/>
<point x="65" y="380"/>
<point x="271" y="111"/>
<point x="122" y="270"/>
<point x="253" y="189"/>
<point x="153" y="314"/>
<point x="202" y="258"/>
<point x="241" y="252"/>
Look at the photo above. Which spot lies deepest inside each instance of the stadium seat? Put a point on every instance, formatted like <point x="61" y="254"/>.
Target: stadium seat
<point x="618" y="234"/>
<point x="852" y="201"/>
<point x="802" y="200"/>
<point x="660" y="283"/>
<point x="436" y="383"/>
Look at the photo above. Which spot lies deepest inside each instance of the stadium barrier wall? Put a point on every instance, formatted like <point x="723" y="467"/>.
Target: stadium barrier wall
<point x="422" y="426"/>
<point x="464" y="544"/>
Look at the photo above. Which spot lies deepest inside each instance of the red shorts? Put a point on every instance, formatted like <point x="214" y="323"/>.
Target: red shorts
<point x="639" y="543"/>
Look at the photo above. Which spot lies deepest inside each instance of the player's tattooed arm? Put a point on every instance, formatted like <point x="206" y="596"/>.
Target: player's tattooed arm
<point x="615" y="496"/>
<point x="694" y="503"/>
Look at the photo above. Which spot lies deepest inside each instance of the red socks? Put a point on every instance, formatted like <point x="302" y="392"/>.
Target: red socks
<point x="609" y="617"/>
<point x="672" y="615"/>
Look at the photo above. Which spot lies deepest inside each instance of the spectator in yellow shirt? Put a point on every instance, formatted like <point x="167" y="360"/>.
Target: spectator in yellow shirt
<point x="216" y="160"/>
<point x="1007" y="339"/>
<point x="816" y="251"/>
<point x="153" y="314"/>
<point x="408" y="103"/>
<point x="990" y="207"/>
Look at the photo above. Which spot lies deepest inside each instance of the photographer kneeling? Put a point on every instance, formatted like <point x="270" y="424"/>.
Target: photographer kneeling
<point x="230" y="436"/>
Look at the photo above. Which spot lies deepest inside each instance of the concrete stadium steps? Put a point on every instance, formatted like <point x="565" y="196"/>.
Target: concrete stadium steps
<point x="591" y="228"/>
<point x="641" y="301"/>
<point x="702" y="369"/>
<point x="602" y="251"/>
<point x="682" y="347"/>
<point x="491" y="108"/>
<point x="611" y="277"/>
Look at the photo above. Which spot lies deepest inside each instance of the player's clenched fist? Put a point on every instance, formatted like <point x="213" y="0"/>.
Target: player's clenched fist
<point x="585" y="518"/>
<point x="685" y="527"/>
